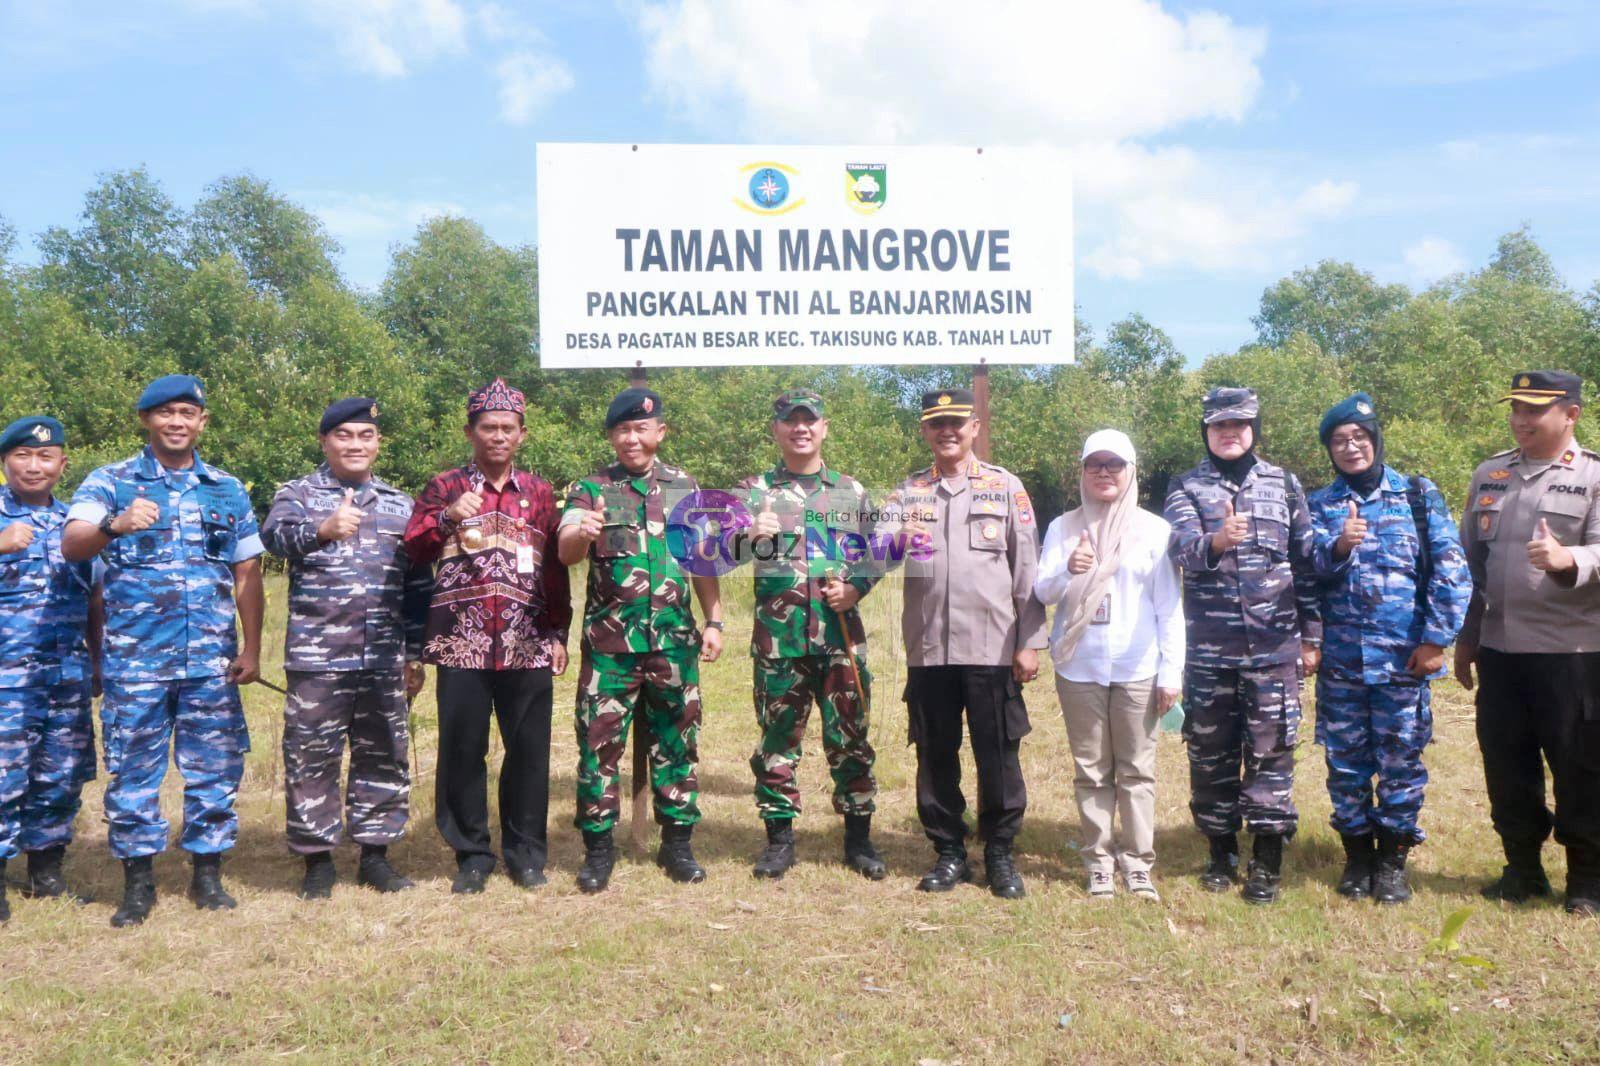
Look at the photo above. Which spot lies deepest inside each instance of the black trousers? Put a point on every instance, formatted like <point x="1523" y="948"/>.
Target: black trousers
<point x="1533" y="709"/>
<point x="936" y="697"/>
<point x="520" y="702"/>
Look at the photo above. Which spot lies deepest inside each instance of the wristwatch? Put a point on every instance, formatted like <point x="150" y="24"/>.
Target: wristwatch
<point x="105" y="526"/>
<point x="714" y="625"/>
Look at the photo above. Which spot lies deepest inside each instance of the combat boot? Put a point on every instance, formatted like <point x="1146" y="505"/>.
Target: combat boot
<point x="205" y="887"/>
<point x="599" y="856"/>
<point x="1359" y="860"/>
<point x="949" y="870"/>
<point x="1222" y="870"/>
<point x="44" y="875"/>
<point x="1266" y="864"/>
<point x="1004" y="881"/>
<point x="5" y="907"/>
<point x="138" y="892"/>
<point x="375" y="871"/>
<point x="778" y="856"/>
<point x="320" y="876"/>
<point x="1522" y="879"/>
<point x="1389" y="883"/>
<point x="676" y="857"/>
<point x="859" y="854"/>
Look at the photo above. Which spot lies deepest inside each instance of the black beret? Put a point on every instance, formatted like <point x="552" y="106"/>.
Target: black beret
<point x="631" y="405"/>
<point x="351" y="409"/>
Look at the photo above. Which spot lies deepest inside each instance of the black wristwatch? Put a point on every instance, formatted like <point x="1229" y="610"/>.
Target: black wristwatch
<point x="105" y="526"/>
<point x="713" y="625"/>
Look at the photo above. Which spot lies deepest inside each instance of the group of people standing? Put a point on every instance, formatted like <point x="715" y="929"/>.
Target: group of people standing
<point x="147" y="591"/>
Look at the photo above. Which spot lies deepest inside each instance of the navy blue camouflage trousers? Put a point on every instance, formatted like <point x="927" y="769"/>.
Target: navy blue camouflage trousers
<point x="1375" y="731"/>
<point x="323" y="709"/>
<point x="46" y="754"/>
<point x="1241" y="727"/>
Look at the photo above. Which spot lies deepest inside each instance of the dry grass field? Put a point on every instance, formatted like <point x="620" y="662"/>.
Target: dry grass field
<point x="821" y="967"/>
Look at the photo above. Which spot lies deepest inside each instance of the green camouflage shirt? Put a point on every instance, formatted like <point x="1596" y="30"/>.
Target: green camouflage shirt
<point x="638" y="596"/>
<point x="824" y="520"/>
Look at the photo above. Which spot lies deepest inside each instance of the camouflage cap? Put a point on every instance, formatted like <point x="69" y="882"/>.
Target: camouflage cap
<point x="796" y="400"/>
<point x="1229" y="404"/>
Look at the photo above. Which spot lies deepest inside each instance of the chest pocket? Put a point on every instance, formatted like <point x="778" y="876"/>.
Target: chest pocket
<point x="1485" y="516"/>
<point x="27" y="572"/>
<point x="1565" y="512"/>
<point x="1269" y="524"/>
<point x="1397" y="540"/>
<point x="220" y="537"/>
<point x="986" y="532"/>
<point x="623" y="532"/>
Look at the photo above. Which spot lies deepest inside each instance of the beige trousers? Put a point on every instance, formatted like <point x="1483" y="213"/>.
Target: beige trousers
<point x="1112" y="730"/>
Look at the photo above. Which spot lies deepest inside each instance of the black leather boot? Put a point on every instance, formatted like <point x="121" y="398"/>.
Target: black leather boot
<point x="5" y="907"/>
<point x="1359" y="863"/>
<point x="676" y="857"/>
<point x="1389" y="883"/>
<point x="138" y="892"/>
<point x="778" y="855"/>
<point x="949" y="870"/>
<point x="44" y="875"/>
<point x="1266" y="864"/>
<point x="320" y="876"/>
<point x="1222" y="869"/>
<point x="205" y="887"/>
<point x="859" y="854"/>
<point x="1001" y="871"/>
<point x="376" y="872"/>
<point x="1523" y="877"/>
<point x="599" y="856"/>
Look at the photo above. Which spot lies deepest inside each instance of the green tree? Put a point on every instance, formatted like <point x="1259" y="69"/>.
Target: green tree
<point x="1336" y="304"/>
<point x="281" y="245"/>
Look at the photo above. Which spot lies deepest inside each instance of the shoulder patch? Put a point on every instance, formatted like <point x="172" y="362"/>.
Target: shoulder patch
<point x="1024" y="507"/>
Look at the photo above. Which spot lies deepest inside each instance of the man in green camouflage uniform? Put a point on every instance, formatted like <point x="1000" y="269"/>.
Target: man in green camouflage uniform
<point x="811" y="568"/>
<point x="641" y="650"/>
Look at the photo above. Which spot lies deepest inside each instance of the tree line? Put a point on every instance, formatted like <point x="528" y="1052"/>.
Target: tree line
<point x="243" y="289"/>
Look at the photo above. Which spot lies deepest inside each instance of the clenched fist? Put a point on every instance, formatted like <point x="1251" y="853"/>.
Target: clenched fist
<point x="140" y="515"/>
<point x="16" y="537"/>
<point x="594" y="520"/>
<point x="467" y="505"/>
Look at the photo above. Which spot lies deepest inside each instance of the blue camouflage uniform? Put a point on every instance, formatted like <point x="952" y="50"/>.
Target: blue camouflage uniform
<point x="1373" y="717"/>
<point x="169" y="640"/>
<point x="357" y="612"/>
<point x="1246" y="612"/>
<point x="46" y="724"/>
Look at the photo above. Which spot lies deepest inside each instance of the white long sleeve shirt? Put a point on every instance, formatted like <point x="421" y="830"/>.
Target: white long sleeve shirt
<point x="1137" y="630"/>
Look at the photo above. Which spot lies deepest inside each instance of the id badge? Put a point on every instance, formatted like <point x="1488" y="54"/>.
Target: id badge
<point x="1102" y="616"/>
<point x="524" y="558"/>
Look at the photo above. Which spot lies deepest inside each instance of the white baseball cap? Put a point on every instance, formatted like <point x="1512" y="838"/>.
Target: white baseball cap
<point x="1109" y="440"/>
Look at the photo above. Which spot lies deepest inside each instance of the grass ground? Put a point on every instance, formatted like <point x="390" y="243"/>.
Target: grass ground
<point x="822" y="966"/>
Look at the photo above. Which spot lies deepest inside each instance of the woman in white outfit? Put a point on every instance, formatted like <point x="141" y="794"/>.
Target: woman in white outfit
<point x="1118" y="644"/>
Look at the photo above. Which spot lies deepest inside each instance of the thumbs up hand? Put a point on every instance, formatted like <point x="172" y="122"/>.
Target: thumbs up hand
<point x="1235" y="529"/>
<point x="1547" y="553"/>
<point x="766" y="522"/>
<point x="467" y="505"/>
<point x="1355" y="531"/>
<point x="594" y="519"/>
<point x="1081" y="561"/>
<point x="343" y="522"/>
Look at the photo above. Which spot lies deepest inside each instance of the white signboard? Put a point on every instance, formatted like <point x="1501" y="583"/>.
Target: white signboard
<point x="722" y="255"/>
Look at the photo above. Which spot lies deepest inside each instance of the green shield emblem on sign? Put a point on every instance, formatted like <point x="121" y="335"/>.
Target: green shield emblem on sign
<point x="866" y="186"/>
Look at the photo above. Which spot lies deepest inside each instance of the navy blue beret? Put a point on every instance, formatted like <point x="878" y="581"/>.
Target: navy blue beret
<point x="173" y="387"/>
<point x="35" y="431"/>
<point x="631" y="405"/>
<point x="1358" y="409"/>
<point x="351" y="409"/>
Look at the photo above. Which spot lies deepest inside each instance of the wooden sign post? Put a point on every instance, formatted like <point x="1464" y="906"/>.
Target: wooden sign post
<point x="980" y="409"/>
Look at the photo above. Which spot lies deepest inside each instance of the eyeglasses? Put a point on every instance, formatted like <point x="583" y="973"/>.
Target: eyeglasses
<point x="1358" y="442"/>
<point x="1107" y="466"/>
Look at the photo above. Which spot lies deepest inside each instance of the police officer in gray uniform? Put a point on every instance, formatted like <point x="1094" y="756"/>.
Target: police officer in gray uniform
<point x="357" y="609"/>
<point x="1532" y="537"/>
<point x="973" y="631"/>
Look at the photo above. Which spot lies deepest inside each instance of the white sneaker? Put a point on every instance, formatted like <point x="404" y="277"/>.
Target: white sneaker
<point x="1139" y="883"/>
<point x="1101" y="884"/>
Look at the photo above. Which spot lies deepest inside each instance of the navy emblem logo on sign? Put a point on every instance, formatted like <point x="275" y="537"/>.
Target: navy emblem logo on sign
<point x="769" y="189"/>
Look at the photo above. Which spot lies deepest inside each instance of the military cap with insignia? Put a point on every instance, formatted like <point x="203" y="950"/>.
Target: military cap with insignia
<point x="796" y="400"/>
<point x="350" y="409"/>
<point x="35" y="431"/>
<point x="632" y="405"/>
<point x="172" y="388"/>
<point x="1358" y="409"/>
<point x="947" y="403"/>
<point x="1543" y="387"/>
<point x="1230" y="404"/>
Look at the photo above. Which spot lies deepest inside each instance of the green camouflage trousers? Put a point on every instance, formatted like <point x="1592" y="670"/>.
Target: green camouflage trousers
<point x="784" y="691"/>
<point x="665" y="687"/>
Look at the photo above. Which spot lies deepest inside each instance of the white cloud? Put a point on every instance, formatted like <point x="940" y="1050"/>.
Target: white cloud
<point x="1432" y="258"/>
<point x="386" y="37"/>
<point x="360" y="219"/>
<point x="528" y="82"/>
<point x="1101" y="77"/>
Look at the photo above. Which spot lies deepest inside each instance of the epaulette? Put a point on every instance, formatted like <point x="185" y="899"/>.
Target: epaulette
<point x="1502" y="455"/>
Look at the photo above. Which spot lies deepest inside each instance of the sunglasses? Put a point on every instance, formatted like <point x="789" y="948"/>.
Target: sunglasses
<point x="1108" y="466"/>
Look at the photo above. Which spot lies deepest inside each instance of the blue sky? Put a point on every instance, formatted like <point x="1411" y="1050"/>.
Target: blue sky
<point x="1217" y="146"/>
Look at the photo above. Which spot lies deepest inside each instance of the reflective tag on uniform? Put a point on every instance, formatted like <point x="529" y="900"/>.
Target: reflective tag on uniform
<point x="524" y="558"/>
